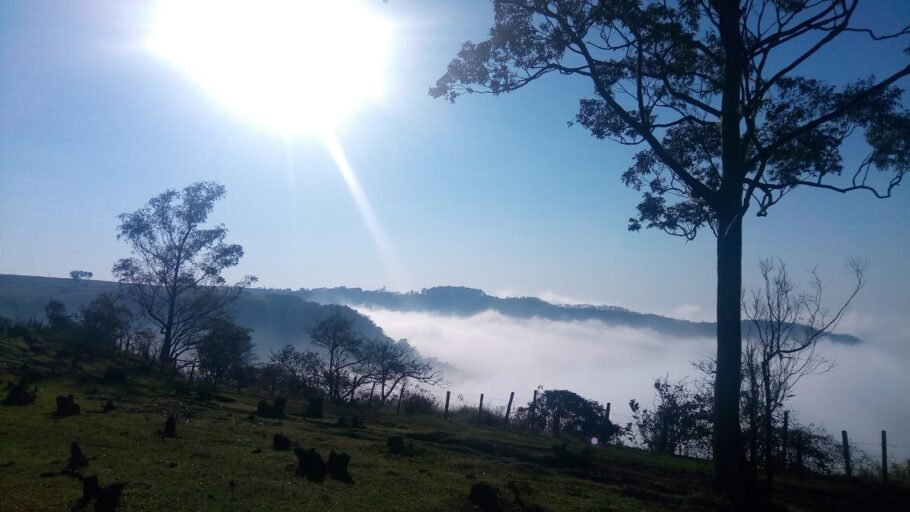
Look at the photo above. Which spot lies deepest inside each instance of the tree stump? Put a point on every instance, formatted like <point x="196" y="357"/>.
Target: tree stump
<point x="67" y="406"/>
<point x="338" y="467"/>
<point x="77" y="460"/>
<point x="485" y="496"/>
<point x="396" y="444"/>
<point x="170" y="427"/>
<point x="18" y="394"/>
<point x="310" y="464"/>
<point x="281" y="443"/>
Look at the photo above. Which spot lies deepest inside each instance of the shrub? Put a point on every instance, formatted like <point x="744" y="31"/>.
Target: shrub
<point x="419" y="403"/>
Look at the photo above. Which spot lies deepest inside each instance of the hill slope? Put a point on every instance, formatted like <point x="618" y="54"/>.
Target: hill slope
<point x="222" y="458"/>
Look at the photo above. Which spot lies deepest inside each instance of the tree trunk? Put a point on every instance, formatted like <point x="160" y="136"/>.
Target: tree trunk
<point x="729" y="471"/>
<point x="728" y="464"/>
<point x="769" y="424"/>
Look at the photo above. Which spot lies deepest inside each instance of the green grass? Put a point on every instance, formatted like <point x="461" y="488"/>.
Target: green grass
<point x="220" y="442"/>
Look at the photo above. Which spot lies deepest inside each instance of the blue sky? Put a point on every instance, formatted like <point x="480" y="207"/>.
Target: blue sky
<point x="494" y="193"/>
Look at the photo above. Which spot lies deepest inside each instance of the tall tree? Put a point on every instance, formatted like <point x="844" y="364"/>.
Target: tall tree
<point x="711" y="89"/>
<point x="175" y="271"/>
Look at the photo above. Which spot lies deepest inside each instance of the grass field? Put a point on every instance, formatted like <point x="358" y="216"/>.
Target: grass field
<point x="220" y="442"/>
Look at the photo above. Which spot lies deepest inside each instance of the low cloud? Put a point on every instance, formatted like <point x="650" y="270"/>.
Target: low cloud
<point x="496" y="354"/>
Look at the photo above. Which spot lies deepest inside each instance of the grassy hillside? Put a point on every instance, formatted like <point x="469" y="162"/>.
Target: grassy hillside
<point x="220" y="442"/>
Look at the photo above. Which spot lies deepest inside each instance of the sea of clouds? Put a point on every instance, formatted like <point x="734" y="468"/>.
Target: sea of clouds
<point x="496" y="354"/>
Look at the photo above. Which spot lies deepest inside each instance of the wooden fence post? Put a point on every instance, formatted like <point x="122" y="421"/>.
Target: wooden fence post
<point x="843" y="435"/>
<point x="509" y="408"/>
<point x="608" y="411"/>
<point x="884" y="457"/>
<point x="400" y="395"/>
<point x="480" y="410"/>
<point x="446" y="415"/>
<point x="783" y="453"/>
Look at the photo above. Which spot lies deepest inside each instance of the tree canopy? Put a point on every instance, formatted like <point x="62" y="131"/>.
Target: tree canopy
<point x="713" y="91"/>
<point x="175" y="270"/>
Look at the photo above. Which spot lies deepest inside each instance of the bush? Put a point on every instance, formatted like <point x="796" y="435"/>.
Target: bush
<point x="420" y="403"/>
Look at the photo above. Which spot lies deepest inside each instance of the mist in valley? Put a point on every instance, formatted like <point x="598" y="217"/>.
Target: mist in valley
<point x="495" y="354"/>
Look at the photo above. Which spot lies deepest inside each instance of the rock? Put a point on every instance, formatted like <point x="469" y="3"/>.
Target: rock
<point x="170" y="427"/>
<point x="77" y="460"/>
<point x="338" y="467"/>
<point x="281" y="443"/>
<point x="67" y="406"/>
<point x="396" y="444"/>
<point x="485" y="496"/>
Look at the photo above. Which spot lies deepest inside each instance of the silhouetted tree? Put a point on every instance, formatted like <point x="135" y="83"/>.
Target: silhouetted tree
<point x="175" y="271"/>
<point x="106" y="323"/>
<point x="55" y="313"/>
<point x="786" y="325"/>
<point x="299" y="370"/>
<point x="562" y="412"/>
<point x="343" y="352"/>
<point x="226" y="347"/>
<point x="680" y="422"/>
<point x="710" y="88"/>
<point x="390" y="362"/>
<point x="77" y="275"/>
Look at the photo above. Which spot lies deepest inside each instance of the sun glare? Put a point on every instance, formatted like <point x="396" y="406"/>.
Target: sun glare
<point x="294" y="66"/>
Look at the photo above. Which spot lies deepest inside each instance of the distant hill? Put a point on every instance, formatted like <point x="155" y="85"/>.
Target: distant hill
<point x="285" y="316"/>
<point x="276" y="318"/>
<point x="461" y="301"/>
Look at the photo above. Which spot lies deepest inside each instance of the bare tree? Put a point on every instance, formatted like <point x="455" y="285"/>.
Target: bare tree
<point x="343" y="352"/>
<point x="392" y="362"/>
<point x="786" y="325"/>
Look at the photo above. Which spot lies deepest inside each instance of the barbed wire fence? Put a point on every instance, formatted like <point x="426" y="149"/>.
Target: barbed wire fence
<point x="477" y="405"/>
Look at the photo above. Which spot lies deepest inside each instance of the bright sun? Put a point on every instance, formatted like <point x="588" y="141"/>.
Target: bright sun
<point x="294" y="66"/>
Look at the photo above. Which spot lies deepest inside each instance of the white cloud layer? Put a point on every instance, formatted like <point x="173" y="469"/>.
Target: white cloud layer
<point x="497" y="354"/>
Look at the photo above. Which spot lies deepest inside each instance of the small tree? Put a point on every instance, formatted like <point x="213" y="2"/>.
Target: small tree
<point x="106" y="323"/>
<point x="175" y="271"/>
<point x="711" y="89"/>
<point x="680" y="422"/>
<point x="343" y="352"/>
<point x="300" y="370"/>
<point x="390" y="362"/>
<point x="562" y="412"/>
<point x="786" y="325"/>
<point x="77" y="275"/>
<point x="55" y="313"/>
<point x="225" y="348"/>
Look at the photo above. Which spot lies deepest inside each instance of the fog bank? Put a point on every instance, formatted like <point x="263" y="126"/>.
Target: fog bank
<point x="495" y="354"/>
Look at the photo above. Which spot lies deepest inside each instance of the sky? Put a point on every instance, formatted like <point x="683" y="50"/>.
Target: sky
<point x="496" y="193"/>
